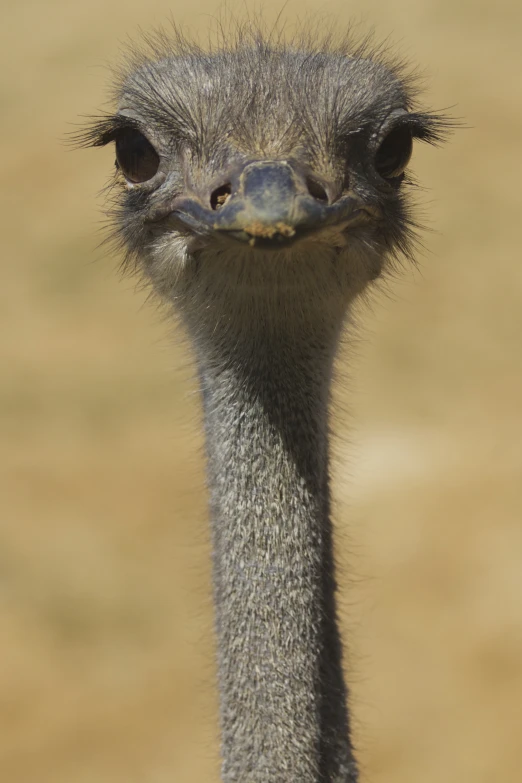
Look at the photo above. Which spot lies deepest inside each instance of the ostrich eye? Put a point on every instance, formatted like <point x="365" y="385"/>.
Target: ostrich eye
<point x="394" y="153"/>
<point x="136" y="156"/>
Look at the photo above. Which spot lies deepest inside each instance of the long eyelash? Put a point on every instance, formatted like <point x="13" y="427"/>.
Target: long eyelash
<point x="431" y="128"/>
<point x="102" y="130"/>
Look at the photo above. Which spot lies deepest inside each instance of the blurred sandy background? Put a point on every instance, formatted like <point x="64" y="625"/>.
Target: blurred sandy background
<point x="106" y="672"/>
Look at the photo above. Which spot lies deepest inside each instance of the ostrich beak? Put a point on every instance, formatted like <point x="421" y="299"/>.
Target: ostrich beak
<point x="267" y="204"/>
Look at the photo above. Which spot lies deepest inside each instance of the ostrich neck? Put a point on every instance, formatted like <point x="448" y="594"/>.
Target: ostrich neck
<point x="282" y="696"/>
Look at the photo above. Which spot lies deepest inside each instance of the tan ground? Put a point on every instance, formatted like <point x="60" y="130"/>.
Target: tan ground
<point x="106" y="669"/>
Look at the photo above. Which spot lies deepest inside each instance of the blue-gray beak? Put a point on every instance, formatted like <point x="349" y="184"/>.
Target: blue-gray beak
<point x="266" y="204"/>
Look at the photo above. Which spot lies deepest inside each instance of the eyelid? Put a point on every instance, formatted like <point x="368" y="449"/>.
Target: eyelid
<point x="110" y="127"/>
<point x="425" y="127"/>
<point x="407" y="120"/>
<point x="396" y="119"/>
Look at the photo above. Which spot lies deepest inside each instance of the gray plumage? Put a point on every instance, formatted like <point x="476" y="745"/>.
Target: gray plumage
<point x="260" y="188"/>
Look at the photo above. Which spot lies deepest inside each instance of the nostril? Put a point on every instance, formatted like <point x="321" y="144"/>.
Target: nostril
<point x="220" y="196"/>
<point x="316" y="190"/>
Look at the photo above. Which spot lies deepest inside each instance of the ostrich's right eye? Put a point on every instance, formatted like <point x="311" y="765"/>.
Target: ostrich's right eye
<point x="136" y="156"/>
<point x="394" y="153"/>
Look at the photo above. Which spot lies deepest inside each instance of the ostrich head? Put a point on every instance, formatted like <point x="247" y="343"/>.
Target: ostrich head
<point x="287" y="162"/>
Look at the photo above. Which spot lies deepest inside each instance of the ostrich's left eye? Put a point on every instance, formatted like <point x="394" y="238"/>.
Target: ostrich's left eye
<point x="394" y="154"/>
<point x="136" y="156"/>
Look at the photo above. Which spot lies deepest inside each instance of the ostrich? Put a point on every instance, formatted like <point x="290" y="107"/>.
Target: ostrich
<point x="260" y="188"/>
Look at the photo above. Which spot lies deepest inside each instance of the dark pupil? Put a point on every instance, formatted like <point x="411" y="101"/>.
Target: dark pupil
<point x="136" y="156"/>
<point x="394" y="153"/>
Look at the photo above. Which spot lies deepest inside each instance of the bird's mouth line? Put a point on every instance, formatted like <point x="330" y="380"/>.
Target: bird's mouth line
<point x="279" y="235"/>
<point x="259" y="233"/>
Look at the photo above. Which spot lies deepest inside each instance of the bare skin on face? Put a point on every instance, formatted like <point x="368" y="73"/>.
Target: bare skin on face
<point x="261" y="188"/>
